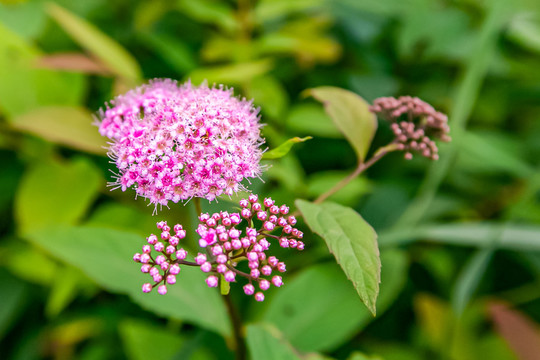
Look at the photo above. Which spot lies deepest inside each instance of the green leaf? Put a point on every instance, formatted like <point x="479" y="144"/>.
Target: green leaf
<point x="210" y="12"/>
<point x="475" y="234"/>
<point x="265" y="342"/>
<point x="24" y="86"/>
<point x="54" y="192"/>
<point x="114" y="56"/>
<point x="172" y="50"/>
<point x="351" y="115"/>
<point x="352" y="241"/>
<point x="311" y="119"/>
<point x="66" y="125"/>
<point x="284" y="148"/>
<point x="14" y="294"/>
<point x="136" y="336"/>
<point x="269" y="93"/>
<point x="322" y="181"/>
<point x="469" y="278"/>
<point x="234" y="74"/>
<point x="105" y="255"/>
<point x="524" y="29"/>
<point x="318" y="310"/>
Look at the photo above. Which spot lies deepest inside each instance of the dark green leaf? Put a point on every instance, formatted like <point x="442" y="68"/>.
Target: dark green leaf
<point x="311" y="119"/>
<point x="352" y="241"/>
<point x="284" y="148"/>
<point x="351" y="115"/>
<point x="105" y="255"/>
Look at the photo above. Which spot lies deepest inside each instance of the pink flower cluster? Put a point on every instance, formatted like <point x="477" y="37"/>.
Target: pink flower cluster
<point x="228" y="239"/>
<point x="173" y="142"/>
<point x="415" y="124"/>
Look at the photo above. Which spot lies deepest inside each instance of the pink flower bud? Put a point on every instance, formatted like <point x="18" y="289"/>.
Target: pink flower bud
<point x="170" y="250"/>
<point x="166" y="228"/>
<point x="273" y="261"/>
<point x="206" y="267"/>
<point x="221" y="259"/>
<point x="227" y="246"/>
<point x="161" y="224"/>
<point x="292" y="220"/>
<point x="292" y="243"/>
<point x="266" y="270"/>
<point x="256" y="207"/>
<point x="171" y="279"/>
<point x="146" y="249"/>
<point x="248" y="289"/>
<point x="264" y="284"/>
<point x="175" y="269"/>
<point x="152" y="239"/>
<point x="287" y="229"/>
<point x="246" y="243"/>
<point x="252" y="256"/>
<point x="154" y="271"/>
<point x="211" y="222"/>
<point x="164" y="265"/>
<point x="235" y="218"/>
<point x="230" y="276"/>
<point x="268" y="226"/>
<point x="274" y="209"/>
<point x="264" y="244"/>
<point x="244" y="203"/>
<point x="162" y="289"/>
<point x="174" y="240"/>
<point x="181" y="254"/>
<point x="177" y="228"/>
<point x="217" y="250"/>
<point x="255" y="273"/>
<point x="157" y="278"/>
<point x="146" y="268"/>
<point x="300" y="246"/>
<point x="204" y="217"/>
<point x="159" y="247"/>
<point x="226" y="222"/>
<point x="137" y="257"/>
<point x="236" y="244"/>
<point x="277" y="281"/>
<point x="284" y="209"/>
<point x="147" y="287"/>
<point x="281" y="267"/>
<point x="200" y="259"/>
<point x="212" y="281"/>
<point x="165" y="235"/>
<point x="261" y="215"/>
<point x="221" y="268"/>
<point x="246" y="213"/>
<point x="234" y="234"/>
<point x="160" y="259"/>
<point x="253" y="198"/>
<point x="253" y="264"/>
<point x="284" y="242"/>
<point x="259" y="296"/>
<point x="145" y="258"/>
<point x="251" y="231"/>
<point x="268" y="202"/>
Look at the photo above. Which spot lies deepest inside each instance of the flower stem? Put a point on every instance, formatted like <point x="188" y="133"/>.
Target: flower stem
<point x="198" y="208"/>
<point x="362" y="166"/>
<point x="240" y="345"/>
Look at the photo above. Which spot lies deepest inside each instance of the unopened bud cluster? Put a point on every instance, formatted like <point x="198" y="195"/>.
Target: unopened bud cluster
<point x="227" y="239"/>
<point x="415" y="124"/>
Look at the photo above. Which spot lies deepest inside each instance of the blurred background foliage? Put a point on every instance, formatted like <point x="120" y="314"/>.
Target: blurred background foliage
<point x="459" y="238"/>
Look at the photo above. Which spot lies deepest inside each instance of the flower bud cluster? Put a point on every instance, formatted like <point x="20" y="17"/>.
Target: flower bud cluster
<point x="415" y="124"/>
<point x="164" y="265"/>
<point x="173" y="142"/>
<point x="227" y="240"/>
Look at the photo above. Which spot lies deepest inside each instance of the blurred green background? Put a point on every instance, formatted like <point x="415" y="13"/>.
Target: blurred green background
<point x="459" y="238"/>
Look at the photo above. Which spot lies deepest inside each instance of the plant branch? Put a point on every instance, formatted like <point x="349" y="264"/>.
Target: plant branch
<point x="240" y="345"/>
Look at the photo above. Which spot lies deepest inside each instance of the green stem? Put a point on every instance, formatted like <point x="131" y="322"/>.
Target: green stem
<point x="362" y="166"/>
<point x="198" y="208"/>
<point x="239" y="343"/>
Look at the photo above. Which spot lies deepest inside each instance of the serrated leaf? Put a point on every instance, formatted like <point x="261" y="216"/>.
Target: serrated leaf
<point x="66" y="125"/>
<point x="351" y="115"/>
<point x="117" y="59"/>
<point x="267" y="343"/>
<point x="284" y="148"/>
<point x="105" y="256"/>
<point x="352" y="241"/>
<point x="54" y="192"/>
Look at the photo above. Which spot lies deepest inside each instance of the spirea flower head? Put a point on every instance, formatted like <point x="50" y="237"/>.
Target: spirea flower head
<point x="415" y="124"/>
<point x="226" y="240"/>
<point x="173" y="142"/>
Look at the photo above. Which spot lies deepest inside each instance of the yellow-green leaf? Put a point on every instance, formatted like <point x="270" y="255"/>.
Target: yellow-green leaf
<point x="284" y="148"/>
